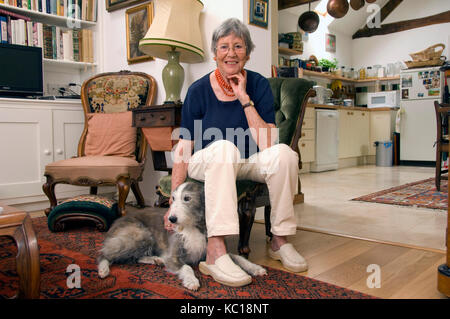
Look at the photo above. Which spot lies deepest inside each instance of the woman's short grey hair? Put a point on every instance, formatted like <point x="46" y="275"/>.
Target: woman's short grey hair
<point x="231" y="26"/>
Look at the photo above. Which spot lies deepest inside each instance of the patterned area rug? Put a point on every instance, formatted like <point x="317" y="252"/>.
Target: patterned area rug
<point x="80" y="247"/>
<point x="420" y="194"/>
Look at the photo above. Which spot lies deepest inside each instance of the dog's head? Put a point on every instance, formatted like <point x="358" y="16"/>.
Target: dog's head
<point x="188" y="206"/>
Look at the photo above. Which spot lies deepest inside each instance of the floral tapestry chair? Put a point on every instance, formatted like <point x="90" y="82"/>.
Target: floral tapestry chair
<point x="110" y="151"/>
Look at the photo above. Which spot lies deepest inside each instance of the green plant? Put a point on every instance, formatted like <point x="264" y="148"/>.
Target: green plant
<point x="328" y="64"/>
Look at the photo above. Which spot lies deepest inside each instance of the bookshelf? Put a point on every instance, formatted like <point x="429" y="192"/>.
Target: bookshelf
<point x="330" y="76"/>
<point x="286" y="51"/>
<point x="70" y="53"/>
<point x="48" y="18"/>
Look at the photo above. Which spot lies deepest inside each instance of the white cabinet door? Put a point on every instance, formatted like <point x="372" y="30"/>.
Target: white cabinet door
<point x="26" y="144"/>
<point x="67" y="128"/>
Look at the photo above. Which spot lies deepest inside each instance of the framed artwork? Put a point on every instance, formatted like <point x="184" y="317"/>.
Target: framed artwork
<point x="138" y="21"/>
<point x="258" y="13"/>
<point x="112" y="5"/>
<point x="330" y="43"/>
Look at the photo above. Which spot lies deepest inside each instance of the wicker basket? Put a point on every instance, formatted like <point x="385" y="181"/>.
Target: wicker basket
<point x="421" y="64"/>
<point x="429" y="53"/>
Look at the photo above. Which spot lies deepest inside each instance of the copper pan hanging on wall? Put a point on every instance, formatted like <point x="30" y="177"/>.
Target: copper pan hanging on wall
<point x="371" y="1"/>
<point x="356" y="4"/>
<point x="337" y="8"/>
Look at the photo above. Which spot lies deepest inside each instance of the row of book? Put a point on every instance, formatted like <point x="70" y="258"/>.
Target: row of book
<point x="285" y="72"/>
<point x="56" y="43"/>
<point x="76" y="9"/>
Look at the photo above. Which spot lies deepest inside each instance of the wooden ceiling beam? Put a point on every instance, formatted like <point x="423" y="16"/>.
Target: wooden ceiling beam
<point x="388" y="28"/>
<point x="284" y="4"/>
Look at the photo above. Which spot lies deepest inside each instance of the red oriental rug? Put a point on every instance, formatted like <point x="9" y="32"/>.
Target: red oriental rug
<point x="419" y="194"/>
<point x="80" y="247"/>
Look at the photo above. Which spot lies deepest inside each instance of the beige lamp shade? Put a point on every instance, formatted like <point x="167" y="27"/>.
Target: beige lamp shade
<point x="176" y="26"/>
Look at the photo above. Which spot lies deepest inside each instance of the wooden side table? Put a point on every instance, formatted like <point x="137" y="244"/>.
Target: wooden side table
<point x="17" y="224"/>
<point x="157" y="123"/>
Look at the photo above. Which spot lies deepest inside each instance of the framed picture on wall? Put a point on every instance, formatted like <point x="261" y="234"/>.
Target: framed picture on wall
<point x="330" y="42"/>
<point x="112" y="5"/>
<point x="138" y="21"/>
<point x="258" y="13"/>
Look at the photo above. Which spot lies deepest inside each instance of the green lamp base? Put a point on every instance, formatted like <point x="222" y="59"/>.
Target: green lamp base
<point x="173" y="77"/>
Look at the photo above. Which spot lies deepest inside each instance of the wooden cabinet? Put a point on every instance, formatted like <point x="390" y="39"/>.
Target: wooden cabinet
<point x="306" y="143"/>
<point x="382" y="125"/>
<point x="353" y="133"/>
<point x="34" y="133"/>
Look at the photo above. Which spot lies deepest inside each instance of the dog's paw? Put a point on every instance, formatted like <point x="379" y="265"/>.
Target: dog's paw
<point x="260" y="271"/>
<point x="103" y="268"/>
<point x="151" y="260"/>
<point x="191" y="283"/>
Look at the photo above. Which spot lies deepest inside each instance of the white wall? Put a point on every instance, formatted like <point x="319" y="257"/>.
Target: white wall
<point x="114" y="58"/>
<point x="394" y="47"/>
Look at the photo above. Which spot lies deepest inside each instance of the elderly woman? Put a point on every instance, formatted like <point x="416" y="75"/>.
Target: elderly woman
<point x="219" y="111"/>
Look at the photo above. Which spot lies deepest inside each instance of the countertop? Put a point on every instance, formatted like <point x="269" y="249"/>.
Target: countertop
<point x="358" y="108"/>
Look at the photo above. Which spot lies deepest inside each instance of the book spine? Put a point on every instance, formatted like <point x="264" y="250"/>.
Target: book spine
<point x="76" y="45"/>
<point x="4" y="30"/>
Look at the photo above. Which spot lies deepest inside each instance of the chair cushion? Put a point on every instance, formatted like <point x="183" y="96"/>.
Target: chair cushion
<point x="110" y="134"/>
<point x="104" y="168"/>
<point x="101" y="210"/>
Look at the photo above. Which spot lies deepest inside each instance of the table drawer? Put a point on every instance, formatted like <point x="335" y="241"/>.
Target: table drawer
<point x="157" y="117"/>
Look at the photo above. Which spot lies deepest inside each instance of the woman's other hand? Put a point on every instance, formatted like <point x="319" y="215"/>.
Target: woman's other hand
<point x="238" y="83"/>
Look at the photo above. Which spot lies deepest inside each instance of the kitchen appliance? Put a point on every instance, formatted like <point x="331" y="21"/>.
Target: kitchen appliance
<point x="327" y="141"/>
<point x="420" y="88"/>
<point x="322" y="94"/>
<point x="383" y="99"/>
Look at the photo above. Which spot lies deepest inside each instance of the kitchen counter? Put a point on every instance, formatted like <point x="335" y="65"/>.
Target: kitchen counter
<point x="357" y="108"/>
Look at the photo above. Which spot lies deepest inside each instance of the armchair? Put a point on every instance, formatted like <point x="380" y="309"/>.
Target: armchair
<point x="110" y="151"/>
<point x="291" y="97"/>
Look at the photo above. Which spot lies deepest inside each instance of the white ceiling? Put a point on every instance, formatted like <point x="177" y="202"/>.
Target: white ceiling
<point x="349" y="24"/>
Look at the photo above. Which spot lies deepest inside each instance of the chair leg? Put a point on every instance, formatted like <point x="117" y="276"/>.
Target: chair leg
<point x="437" y="178"/>
<point x="246" y="210"/>
<point x="123" y="184"/>
<point x="137" y="193"/>
<point x="267" y="210"/>
<point x="49" y="190"/>
<point x="93" y="190"/>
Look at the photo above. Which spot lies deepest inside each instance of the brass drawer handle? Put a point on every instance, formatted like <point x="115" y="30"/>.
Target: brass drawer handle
<point x="303" y="144"/>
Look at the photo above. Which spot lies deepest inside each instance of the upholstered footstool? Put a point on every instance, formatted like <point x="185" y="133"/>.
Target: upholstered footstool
<point x="100" y="210"/>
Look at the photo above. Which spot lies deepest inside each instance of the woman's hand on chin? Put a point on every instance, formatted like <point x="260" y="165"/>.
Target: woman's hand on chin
<point x="238" y="83"/>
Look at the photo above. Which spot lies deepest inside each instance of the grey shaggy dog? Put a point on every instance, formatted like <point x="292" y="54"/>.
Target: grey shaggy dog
<point x="140" y="237"/>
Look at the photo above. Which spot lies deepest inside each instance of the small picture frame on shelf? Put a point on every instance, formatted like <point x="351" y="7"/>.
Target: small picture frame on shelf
<point x="258" y="13"/>
<point x="112" y="5"/>
<point x="138" y="21"/>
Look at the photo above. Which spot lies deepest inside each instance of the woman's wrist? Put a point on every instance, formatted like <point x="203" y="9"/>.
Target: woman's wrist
<point x="244" y="100"/>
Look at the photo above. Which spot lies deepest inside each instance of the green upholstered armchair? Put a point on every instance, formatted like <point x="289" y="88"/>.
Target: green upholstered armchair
<point x="291" y="96"/>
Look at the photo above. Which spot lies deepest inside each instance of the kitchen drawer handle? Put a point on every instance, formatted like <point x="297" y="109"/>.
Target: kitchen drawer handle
<point x="303" y="144"/>
<point x="303" y="134"/>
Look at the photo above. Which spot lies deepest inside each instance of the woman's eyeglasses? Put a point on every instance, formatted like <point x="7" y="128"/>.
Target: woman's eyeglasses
<point x="224" y="48"/>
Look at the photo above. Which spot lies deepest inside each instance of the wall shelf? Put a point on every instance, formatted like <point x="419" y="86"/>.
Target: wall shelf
<point x="51" y="19"/>
<point x="303" y="72"/>
<point x="69" y="64"/>
<point x="289" y="52"/>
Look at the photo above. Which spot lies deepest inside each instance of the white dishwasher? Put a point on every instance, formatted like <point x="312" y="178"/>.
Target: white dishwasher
<point x="327" y="141"/>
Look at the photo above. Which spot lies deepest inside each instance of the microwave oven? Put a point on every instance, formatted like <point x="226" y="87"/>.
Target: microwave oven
<point x="383" y="99"/>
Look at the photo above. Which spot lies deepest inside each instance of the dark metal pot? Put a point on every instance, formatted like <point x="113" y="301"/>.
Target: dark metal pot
<point x="309" y="21"/>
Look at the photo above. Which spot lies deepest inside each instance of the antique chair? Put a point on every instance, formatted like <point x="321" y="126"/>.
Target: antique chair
<point x="110" y="151"/>
<point x="442" y="141"/>
<point x="291" y="96"/>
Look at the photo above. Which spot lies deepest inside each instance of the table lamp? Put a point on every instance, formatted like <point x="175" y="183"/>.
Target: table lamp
<point x="174" y="35"/>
